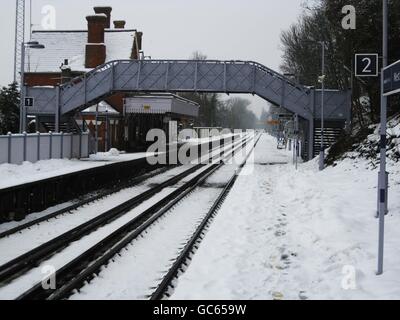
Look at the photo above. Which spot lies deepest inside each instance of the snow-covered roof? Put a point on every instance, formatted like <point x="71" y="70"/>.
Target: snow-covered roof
<point x="103" y="108"/>
<point x="61" y="45"/>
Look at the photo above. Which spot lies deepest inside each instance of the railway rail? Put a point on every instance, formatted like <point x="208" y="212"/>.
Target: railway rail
<point x="92" y="259"/>
<point x="90" y="199"/>
<point x="17" y="202"/>
<point x="167" y="282"/>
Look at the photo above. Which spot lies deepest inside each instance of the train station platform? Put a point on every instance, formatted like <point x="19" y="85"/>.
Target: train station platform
<point x="33" y="187"/>
<point x="287" y="234"/>
<point x="14" y="175"/>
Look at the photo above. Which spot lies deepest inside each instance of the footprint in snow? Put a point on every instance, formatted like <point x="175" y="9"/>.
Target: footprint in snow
<point x="280" y="233"/>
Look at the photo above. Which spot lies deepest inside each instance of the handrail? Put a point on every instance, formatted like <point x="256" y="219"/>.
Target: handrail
<point x="109" y="64"/>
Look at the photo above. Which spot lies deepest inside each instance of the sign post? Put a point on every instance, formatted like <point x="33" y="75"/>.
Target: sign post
<point x="383" y="175"/>
<point x="390" y="85"/>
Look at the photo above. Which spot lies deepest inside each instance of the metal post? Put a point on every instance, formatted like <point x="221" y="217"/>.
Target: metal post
<point x="57" y="115"/>
<point x="72" y="146"/>
<point x="30" y="19"/>
<point x="322" y="151"/>
<point x="382" y="185"/>
<point x="85" y="87"/>
<point x="51" y="145"/>
<point x="97" y="129"/>
<point x="88" y="143"/>
<point x="9" y="146"/>
<point x="25" y="146"/>
<point x="38" y="146"/>
<point x="80" y="145"/>
<point x="293" y="142"/>
<point x="62" y="146"/>
<point x="16" y="48"/>
<point x="107" y="128"/>
<point x="311" y="127"/>
<point x="22" y="89"/>
<point x="19" y="36"/>
<point x="296" y="129"/>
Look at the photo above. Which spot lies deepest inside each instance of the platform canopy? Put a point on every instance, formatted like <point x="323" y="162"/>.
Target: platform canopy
<point x="161" y="104"/>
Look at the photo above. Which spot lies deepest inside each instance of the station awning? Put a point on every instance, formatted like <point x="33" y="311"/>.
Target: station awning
<point x="163" y="104"/>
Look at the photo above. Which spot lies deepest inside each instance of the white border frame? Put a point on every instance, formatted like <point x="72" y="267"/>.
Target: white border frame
<point x="363" y="75"/>
<point x="390" y="93"/>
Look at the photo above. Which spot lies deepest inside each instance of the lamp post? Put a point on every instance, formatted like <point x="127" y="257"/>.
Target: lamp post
<point x="322" y="81"/>
<point x="296" y="133"/>
<point x="22" y="108"/>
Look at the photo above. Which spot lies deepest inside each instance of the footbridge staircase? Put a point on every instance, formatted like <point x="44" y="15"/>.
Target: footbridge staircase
<point x="230" y="77"/>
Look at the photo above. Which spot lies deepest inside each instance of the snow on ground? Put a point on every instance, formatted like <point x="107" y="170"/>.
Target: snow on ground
<point x="287" y="234"/>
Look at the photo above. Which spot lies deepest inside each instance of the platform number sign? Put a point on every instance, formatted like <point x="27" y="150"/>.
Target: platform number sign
<point x="367" y="65"/>
<point x="29" y="102"/>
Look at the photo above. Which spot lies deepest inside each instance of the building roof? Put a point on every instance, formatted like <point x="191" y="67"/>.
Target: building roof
<point x="104" y="107"/>
<point x="161" y="104"/>
<point x="166" y="95"/>
<point x="71" y="45"/>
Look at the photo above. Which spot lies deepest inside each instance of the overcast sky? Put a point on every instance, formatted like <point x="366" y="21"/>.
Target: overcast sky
<point x="174" y="29"/>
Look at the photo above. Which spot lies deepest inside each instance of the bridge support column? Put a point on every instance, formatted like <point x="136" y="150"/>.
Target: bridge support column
<point x="310" y="139"/>
<point x="57" y="111"/>
<point x="311" y="127"/>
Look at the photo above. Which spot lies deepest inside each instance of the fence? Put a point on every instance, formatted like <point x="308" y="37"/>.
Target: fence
<point x="17" y="148"/>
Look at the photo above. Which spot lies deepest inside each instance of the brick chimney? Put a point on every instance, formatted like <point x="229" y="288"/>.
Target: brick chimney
<point x="139" y="37"/>
<point x="95" y="48"/>
<point x="119" y="24"/>
<point x="137" y="46"/>
<point x="107" y="12"/>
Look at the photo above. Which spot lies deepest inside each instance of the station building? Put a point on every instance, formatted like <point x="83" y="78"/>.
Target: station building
<point x="118" y="121"/>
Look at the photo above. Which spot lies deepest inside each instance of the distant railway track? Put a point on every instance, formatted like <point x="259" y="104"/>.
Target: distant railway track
<point x="16" y="267"/>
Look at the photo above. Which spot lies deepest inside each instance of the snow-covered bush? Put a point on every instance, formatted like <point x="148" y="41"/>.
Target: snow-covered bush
<point x="365" y="144"/>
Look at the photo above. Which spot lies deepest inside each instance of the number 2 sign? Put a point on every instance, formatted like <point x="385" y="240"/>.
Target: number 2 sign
<point x="367" y="65"/>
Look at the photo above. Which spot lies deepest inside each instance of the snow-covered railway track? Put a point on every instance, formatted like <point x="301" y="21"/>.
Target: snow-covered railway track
<point x="136" y="269"/>
<point x="163" y="289"/>
<point x="38" y="255"/>
<point x="66" y="222"/>
<point x="88" y="199"/>
<point x="154" y="243"/>
<point x="82" y="202"/>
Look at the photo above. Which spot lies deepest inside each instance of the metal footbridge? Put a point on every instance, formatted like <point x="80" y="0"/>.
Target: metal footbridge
<point x="202" y="76"/>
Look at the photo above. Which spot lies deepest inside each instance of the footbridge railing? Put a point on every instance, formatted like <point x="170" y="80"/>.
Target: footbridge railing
<point x="186" y="76"/>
